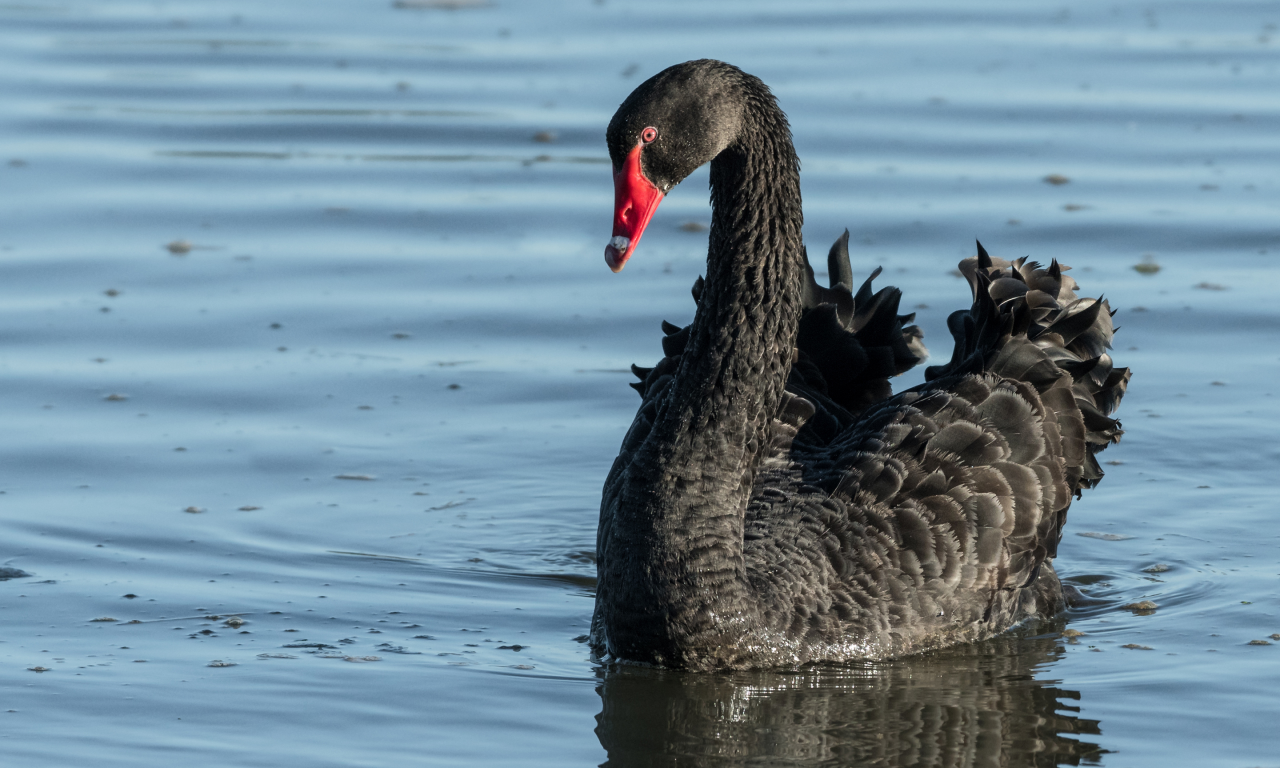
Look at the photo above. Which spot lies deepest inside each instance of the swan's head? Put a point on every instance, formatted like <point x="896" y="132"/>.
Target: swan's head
<point x="673" y="123"/>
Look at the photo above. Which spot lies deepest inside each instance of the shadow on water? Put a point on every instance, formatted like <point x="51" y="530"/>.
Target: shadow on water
<point x="976" y="705"/>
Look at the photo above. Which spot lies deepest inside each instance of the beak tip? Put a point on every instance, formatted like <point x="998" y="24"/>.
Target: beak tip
<point x="614" y="258"/>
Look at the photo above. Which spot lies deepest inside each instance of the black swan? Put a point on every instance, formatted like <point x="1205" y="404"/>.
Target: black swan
<point x="773" y="502"/>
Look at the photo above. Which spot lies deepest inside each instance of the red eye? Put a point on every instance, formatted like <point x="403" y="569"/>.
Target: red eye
<point x="648" y="135"/>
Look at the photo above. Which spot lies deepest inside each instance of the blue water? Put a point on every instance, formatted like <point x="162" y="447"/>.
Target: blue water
<point x="304" y="320"/>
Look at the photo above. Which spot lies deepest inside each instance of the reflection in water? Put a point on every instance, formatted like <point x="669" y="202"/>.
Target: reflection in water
<point x="975" y="705"/>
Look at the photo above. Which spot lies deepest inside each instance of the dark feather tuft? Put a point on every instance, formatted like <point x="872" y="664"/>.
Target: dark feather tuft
<point x="1060" y="342"/>
<point x="854" y="343"/>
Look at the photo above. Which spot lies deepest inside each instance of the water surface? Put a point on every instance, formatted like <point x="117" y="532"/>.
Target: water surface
<point x="304" y="321"/>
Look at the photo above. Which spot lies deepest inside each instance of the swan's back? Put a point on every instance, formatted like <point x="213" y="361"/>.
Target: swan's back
<point x="879" y="526"/>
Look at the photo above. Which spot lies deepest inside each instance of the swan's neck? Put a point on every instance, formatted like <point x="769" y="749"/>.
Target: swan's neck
<point x="733" y="371"/>
<point x="679" y="521"/>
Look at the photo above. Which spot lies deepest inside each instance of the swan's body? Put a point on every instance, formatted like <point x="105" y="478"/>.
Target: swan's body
<point x="772" y="503"/>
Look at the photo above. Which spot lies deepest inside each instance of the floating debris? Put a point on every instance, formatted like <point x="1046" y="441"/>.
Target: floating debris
<point x="1147" y="266"/>
<point x="516" y="648"/>
<point x="179" y="247"/>
<point x="235" y="622"/>
<point x="1259" y="642"/>
<point x="544" y="137"/>
<point x="276" y="656"/>
<point x="1157" y="568"/>
<point x="1136" y="647"/>
<point x="693" y="226"/>
<point x="104" y="618"/>
<point x="402" y="335"/>
<point x="221" y="663"/>
<point x="361" y="659"/>
<point x="193" y="510"/>
<point x="39" y="669"/>
<point x="249" y="508"/>
<point x="1072" y="634"/>
<point x="1142" y="608"/>
<point x="1056" y="179"/>
<point x="389" y="648"/>
<point x="522" y="666"/>
<point x="1073" y="207"/>
<point x="1103" y="536"/>
<point x="355" y="477"/>
<point x="7" y="573"/>
<point x="1210" y="286"/>
<point x="116" y="397"/>
<point x="129" y="596"/>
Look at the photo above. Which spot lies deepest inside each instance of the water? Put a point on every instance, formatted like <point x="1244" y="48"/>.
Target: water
<point x="383" y="202"/>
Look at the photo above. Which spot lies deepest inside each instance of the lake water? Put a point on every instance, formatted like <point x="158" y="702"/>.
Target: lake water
<point x="304" y="320"/>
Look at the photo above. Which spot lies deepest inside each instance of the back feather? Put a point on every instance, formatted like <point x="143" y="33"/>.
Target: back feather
<point x="850" y="344"/>
<point x="1027" y="324"/>
<point x="848" y="347"/>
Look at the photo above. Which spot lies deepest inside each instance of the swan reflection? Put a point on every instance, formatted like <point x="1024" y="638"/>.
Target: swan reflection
<point x="975" y="705"/>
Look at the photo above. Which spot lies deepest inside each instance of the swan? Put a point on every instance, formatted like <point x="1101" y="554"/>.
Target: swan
<point x="774" y="503"/>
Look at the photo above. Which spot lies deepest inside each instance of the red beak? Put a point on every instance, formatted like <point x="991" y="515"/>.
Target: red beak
<point x="635" y="198"/>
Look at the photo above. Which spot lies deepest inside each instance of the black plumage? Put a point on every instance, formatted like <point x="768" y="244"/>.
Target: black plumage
<point x="774" y="502"/>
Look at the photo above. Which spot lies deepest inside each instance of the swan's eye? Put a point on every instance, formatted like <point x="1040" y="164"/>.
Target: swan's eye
<point x="648" y="135"/>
